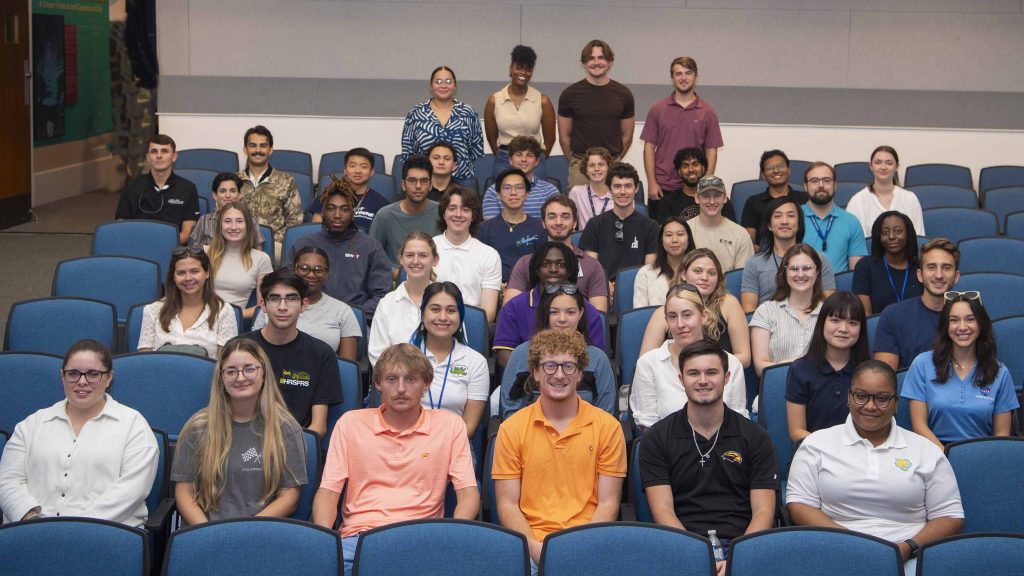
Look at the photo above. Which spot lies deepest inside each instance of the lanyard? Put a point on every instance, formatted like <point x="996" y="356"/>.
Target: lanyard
<point x="590" y="197"/>
<point x="430" y="391"/>
<point x="828" y="228"/>
<point x="888" y="272"/>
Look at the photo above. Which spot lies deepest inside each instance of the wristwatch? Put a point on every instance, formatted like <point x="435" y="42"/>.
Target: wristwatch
<point x="915" y="548"/>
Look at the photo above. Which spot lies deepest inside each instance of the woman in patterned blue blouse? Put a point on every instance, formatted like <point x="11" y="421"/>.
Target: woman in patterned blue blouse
<point x="445" y="118"/>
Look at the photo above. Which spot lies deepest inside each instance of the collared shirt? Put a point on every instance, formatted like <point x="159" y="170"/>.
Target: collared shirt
<point x="465" y="378"/>
<point x="558" y="472"/>
<point x="422" y="130"/>
<point x="540" y="191"/>
<point x="658" y="392"/>
<point x="591" y="278"/>
<point x="821" y="389"/>
<point x="396" y="319"/>
<point x="672" y="127"/>
<point x="714" y="495"/>
<point x="152" y="335"/>
<point x="589" y="204"/>
<point x="885" y="285"/>
<point x="517" y="322"/>
<point x="866" y="208"/>
<point x="906" y="329"/>
<point x="274" y="200"/>
<point x="105" y="471"/>
<point x="176" y="202"/>
<point x="472" y="266"/>
<point x="845" y="239"/>
<point x="755" y="211"/>
<point x="889" y="491"/>
<point x="604" y="381"/>
<point x="959" y="409"/>
<point x="522" y="121"/>
<point x="389" y="475"/>
<point x="789" y="334"/>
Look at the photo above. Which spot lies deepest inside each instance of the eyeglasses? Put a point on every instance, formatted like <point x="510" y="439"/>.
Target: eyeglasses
<point x="805" y="268"/>
<point x="443" y="82"/>
<point x="880" y="400"/>
<point x="248" y="372"/>
<point x="513" y="188"/>
<point x="568" y="368"/>
<point x="183" y="250"/>
<point x="290" y="299"/>
<point x="776" y="167"/>
<point x="713" y="181"/>
<point x="414" y="181"/>
<point x="91" y="376"/>
<point x="567" y="289"/>
<point x="306" y="269"/>
<point x="618" y="231"/>
<point x="684" y="287"/>
<point x="956" y="296"/>
<point x="816" y="181"/>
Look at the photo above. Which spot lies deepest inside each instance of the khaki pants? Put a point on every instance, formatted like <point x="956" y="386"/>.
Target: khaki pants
<point x="576" y="178"/>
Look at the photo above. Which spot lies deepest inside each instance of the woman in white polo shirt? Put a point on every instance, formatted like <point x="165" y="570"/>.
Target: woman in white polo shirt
<point x="398" y="313"/>
<point x="869" y="475"/>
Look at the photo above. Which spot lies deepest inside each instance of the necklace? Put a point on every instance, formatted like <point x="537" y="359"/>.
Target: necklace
<point x="512" y="225"/>
<point x="704" y="456"/>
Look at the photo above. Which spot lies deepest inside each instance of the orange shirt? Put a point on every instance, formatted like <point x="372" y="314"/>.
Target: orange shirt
<point x="558" y="472"/>
<point x="393" y="476"/>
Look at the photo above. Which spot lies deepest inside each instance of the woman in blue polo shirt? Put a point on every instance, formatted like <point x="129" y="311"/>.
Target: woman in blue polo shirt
<point x="958" y="390"/>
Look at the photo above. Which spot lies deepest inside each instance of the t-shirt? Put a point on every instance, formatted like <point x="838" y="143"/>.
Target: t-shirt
<point x="517" y="322"/>
<point x="233" y="283"/>
<point x="596" y="112"/>
<point x="821" y="389"/>
<point x="512" y="241"/>
<point x="175" y="203"/>
<point x="759" y="275"/>
<point x="391" y="225"/>
<point x="591" y="281"/>
<point x="306" y="371"/>
<point x="638" y="237"/>
<point x="328" y="320"/>
<point x="243" y="474"/>
<point x="873" y="277"/>
<point x="906" y="329"/>
<point x="729" y="241"/>
<point x="679" y="203"/>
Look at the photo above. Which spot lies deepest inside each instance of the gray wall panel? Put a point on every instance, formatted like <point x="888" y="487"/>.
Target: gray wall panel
<point x="227" y="95"/>
<point x="928" y="6"/>
<point x="172" y="36"/>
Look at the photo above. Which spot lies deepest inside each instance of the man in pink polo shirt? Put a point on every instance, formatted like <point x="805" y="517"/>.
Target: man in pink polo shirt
<point x="396" y="460"/>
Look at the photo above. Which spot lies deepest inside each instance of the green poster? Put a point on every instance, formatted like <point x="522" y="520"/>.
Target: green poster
<point x="71" y="70"/>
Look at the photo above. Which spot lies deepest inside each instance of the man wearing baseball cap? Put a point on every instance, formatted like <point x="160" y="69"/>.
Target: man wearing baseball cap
<point x="727" y="239"/>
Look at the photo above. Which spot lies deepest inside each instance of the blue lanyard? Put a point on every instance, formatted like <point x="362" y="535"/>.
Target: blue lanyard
<point x="828" y="228"/>
<point x="430" y="391"/>
<point x="590" y="197"/>
<point x="888" y="272"/>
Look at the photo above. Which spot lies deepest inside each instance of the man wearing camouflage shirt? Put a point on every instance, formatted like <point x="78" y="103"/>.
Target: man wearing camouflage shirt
<point x="271" y="195"/>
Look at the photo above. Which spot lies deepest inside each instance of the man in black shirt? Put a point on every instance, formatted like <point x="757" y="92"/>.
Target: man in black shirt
<point x="306" y="369"/>
<point x="774" y="171"/>
<point x="707" y="467"/>
<point x="161" y="194"/>
<point x="691" y="164"/>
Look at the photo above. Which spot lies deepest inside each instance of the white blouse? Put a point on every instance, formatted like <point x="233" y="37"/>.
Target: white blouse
<point x="153" y="335"/>
<point x="393" y="323"/>
<point x="866" y="207"/>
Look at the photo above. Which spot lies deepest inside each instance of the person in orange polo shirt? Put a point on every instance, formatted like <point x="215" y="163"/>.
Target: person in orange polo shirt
<point x="560" y="462"/>
<point x="396" y="460"/>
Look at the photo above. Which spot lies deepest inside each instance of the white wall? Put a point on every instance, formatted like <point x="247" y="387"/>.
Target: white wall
<point x="737" y="161"/>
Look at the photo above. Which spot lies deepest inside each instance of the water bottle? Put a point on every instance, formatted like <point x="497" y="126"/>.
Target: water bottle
<point x="716" y="546"/>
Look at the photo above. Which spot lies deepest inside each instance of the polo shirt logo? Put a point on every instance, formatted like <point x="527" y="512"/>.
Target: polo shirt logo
<point x="459" y="370"/>
<point x="985" y="390"/>
<point x="732" y="456"/>
<point x="425" y="455"/>
<point x="175" y="201"/>
<point x="903" y="464"/>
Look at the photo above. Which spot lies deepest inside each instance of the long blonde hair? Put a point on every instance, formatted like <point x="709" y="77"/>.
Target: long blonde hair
<point x="249" y="242"/>
<point x="213" y="425"/>
<point x="713" y="301"/>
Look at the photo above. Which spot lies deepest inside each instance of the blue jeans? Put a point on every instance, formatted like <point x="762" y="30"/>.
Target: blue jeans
<point x="348" y="552"/>
<point x="501" y="164"/>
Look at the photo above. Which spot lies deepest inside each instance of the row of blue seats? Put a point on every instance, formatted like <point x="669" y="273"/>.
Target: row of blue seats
<point x="268" y="547"/>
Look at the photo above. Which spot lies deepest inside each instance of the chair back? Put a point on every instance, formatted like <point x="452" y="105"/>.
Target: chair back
<point x="986" y="469"/>
<point x="304" y="508"/>
<point x="69" y="545"/>
<point x="1004" y="201"/>
<point x="807" y="551"/>
<point x="771" y="413"/>
<point x="483" y="167"/>
<point x="632" y="326"/>
<point x="477" y="332"/>
<point x="384" y="185"/>
<point x="490" y="500"/>
<point x="856" y="172"/>
<point x="119" y="280"/>
<point x="938" y="195"/>
<point x="872" y="327"/>
<point x="614" y="548"/>
<point x="167" y="388"/>
<point x="992" y="254"/>
<point x="742" y="191"/>
<point x="625" y="281"/>
<point x="161" y="489"/>
<point x="212" y="159"/>
<point x="293" y="161"/>
<point x="443" y="547"/>
<point x="1000" y="293"/>
<point x="797" y="168"/>
<point x="844" y="281"/>
<point x="293" y="233"/>
<point x="28" y="382"/>
<point x="255" y="546"/>
<point x="992" y="553"/>
<point x="1010" y="332"/>
<point x="734" y="282"/>
<point x="845" y="191"/>
<point x="1014" y="225"/>
<point x="959" y="223"/>
<point x="350" y="392"/>
<point x="203" y="179"/>
<point x="947" y="174"/>
<point x="52" y="325"/>
<point x="148" y="239"/>
<point x="903" y="407"/>
<point x="558" y="167"/>
<point x="1000" y="177"/>
<point x="636" y="486"/>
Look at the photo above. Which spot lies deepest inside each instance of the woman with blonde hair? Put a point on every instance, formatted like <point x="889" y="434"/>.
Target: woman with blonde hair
<point x="246" y="433"/>
<point x="238" y="263"/>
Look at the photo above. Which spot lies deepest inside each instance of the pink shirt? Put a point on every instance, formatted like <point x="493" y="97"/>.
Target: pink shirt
<point x="670" y="127"/>
<point x="394" y="476"/>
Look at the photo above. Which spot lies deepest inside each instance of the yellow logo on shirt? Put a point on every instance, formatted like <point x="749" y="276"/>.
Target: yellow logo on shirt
<point x="733" y="456"/>
<point x="903" y="464"/>
<point x="425" y="455"/>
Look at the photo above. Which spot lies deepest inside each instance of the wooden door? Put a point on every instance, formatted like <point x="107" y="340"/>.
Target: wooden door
<point x="15" y="113"/>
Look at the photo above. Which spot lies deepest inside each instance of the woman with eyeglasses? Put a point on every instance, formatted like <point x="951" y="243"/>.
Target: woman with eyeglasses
<point x="781" y="328"/>
<point x="652" y="280"/>
<point x="553" y="268"/>
<point x="958" y="389"/>
<point x="398" y="312"/>
<point x="561" y="307"/>
<point x="462" y="381"/>
<point x="889" y="274"/>
<point x="657" y="390"/>
<point x="443" y="118"/>
<point x="190" y="317"/>
<point x="818" y="381"/>
<point x="595" y="197"/>
<point x="326" y="318"/>
<point x="884" y="193"/>
<point x="869" y="475"/>
<point x="86" y="455"/>
<point x="725" y="323"/>
<point x="238" y="263"/>
<point x="244" y="454"/>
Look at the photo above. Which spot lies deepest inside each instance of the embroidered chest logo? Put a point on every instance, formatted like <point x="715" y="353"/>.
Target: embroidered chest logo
<point x="732" y="456"/>
<point x="903" y="464"/>
<point x="175" y="201"/>
<point x="425" y="455"/>
<point x="459" y="370"/>
<point x="985" y="391"/>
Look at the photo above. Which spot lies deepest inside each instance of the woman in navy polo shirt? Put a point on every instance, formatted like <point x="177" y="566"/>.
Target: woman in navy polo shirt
<point x="818" y="382"/>
<point x="889" y="274"/>
<point x="958" y="390"/>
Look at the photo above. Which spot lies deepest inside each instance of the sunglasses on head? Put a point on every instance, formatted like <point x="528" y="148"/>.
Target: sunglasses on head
<point x="567" y="289"/>
<point x="183" y="250"/>
<point x="684" y="287"/>
<point x="957" y="296"/>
